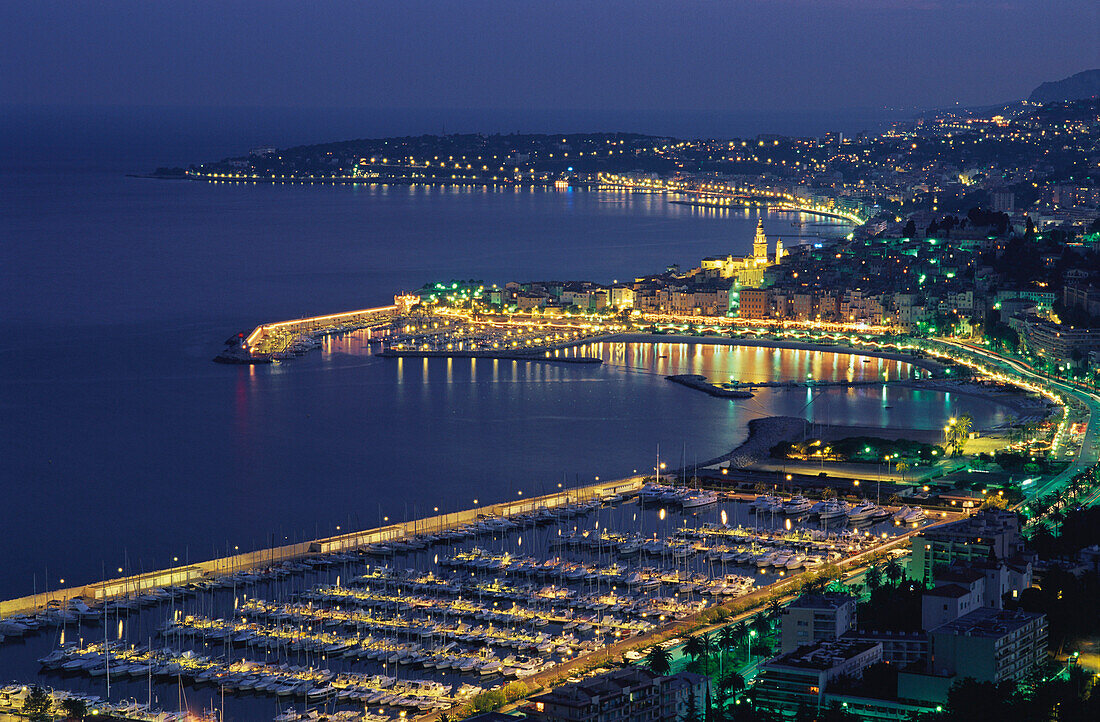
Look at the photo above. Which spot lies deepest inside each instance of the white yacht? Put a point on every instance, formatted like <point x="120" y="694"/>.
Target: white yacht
<point x="833" y="509"/>
<point x="863" y="511"/>
<point x="797" y="504"/>
<point x="699" y="498"/>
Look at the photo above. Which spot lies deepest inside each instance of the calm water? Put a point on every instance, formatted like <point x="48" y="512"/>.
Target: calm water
<point x="124" y="446"/>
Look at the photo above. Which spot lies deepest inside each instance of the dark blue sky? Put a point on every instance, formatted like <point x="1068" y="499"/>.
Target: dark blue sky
<point x="722" y="56"/>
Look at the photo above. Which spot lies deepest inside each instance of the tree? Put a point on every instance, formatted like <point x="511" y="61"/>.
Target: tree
<point x="732" y="683"/>
<point x="692" y="712"/>
<point x="910" y="229"/>
<point x="37" y="705"/>
<point x="741" y="632"/>
<point x="695" y="646"/>
<point x="873" y="577"/>
<point x="708" y="648"/>
<point x="659" y="660"/>
<point x="893" y="570"/>
<point x="78" y="708"/>
<point x="727" y="637"/>
<point x="774" y="607"/>
<point x="828" y="493"/>
<point x="960" y="433"/>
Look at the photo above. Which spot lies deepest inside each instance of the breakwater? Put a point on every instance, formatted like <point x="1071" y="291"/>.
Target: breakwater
<point x="264" y="558"/>
<point x="541" y="356"/>
<point x="700" y="383"/>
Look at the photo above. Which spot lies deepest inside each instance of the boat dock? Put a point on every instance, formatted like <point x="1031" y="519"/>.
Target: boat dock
<point x="225" y="566"/>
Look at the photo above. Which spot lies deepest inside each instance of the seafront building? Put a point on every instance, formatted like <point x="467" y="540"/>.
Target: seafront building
<point x="632" y="693"/>
<point x="814" y="618"/>
<point x="802" y="677"/>
<point x="987" y="645"/>
<point x="988" y="534"/>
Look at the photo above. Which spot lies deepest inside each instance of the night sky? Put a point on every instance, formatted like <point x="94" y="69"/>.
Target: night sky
<point x="509" y="54"/>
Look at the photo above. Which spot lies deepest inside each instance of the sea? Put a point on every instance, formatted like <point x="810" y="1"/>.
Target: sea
<point x="124" y="447"/>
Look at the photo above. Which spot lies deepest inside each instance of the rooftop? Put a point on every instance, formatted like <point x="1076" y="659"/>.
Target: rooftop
<point x="949" y="591"/>
<point x="612" y="683"/>
<point x="825" y="600"/>
<point x="823" y="655"/>
<point x="988" y="623"/>
<point x="958" y="573"/>
<point x="985" y="522"/>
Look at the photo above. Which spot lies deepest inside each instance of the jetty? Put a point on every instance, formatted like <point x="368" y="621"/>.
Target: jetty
<point x="140" y="584"/>
<point x="700" y="383"/>
<point x="545" y="356"/>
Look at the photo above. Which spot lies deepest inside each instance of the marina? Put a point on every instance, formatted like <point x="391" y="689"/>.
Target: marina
<point x="419" y="622"/>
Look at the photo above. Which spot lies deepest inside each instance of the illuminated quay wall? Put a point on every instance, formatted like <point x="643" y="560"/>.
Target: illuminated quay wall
<point x="271" y="338"/>
<point x="141" y="583"/>
<point x="722" y="194"/>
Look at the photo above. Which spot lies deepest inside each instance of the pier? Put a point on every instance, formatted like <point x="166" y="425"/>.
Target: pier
<point x="546" y="356"/>
<point x="274" y="341"/>
<point x="224" y="566"/>
<point x="417" y="618"/>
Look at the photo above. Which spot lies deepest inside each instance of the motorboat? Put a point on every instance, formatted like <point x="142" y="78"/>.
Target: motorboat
<point x="833" y="509"/>
<point x="797" y="504"/>
<point x="861" y="512"/>
<point x="699" y="498"/>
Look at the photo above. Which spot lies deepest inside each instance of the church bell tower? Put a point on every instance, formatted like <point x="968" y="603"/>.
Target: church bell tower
<point x="760" y="243"/>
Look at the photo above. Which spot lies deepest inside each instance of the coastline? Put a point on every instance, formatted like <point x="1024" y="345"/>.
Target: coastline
<point x="764" y="433"/>
<point x="502" y="355"/>
<point x="638" y="337"/>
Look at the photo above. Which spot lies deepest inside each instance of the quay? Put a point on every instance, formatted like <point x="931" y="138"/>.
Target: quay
<point x="273" y="341"/>
<point x="700" y="383"/>
<point x="504" y="355"/>
<point x="212" y="569"/>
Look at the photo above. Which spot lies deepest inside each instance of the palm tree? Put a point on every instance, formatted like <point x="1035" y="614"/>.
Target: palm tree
<point x="727" y="637"/>
<point x="695" y="646"/>
<point x="732" y="683"/>
<point x="893" y="570"/>
<point x="873" y="577"/>
<point x="741" y="632"/>
<point x="774" y="608"/>
<point x="960" y="432"/>
<point x="761" y="625"/>
<point x="709" y="647"/>
<point x="659" y="660"/>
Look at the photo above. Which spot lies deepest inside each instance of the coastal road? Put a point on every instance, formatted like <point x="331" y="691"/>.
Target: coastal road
<point x="1089" y="452"/>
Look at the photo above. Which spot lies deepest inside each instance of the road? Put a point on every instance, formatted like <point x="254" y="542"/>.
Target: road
<point x="1089" y="453"/>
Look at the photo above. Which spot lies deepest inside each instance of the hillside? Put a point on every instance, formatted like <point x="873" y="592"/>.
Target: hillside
<point x="1085" y="84"/>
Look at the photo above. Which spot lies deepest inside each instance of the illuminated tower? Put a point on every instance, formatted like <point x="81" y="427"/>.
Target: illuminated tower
<point x="779" y="249"/>
<point x="760" y="243"/>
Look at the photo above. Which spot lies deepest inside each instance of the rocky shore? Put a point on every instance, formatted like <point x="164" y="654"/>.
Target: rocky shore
<point x="764" y="433"/>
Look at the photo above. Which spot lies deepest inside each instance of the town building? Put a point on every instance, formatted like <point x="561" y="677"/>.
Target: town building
<point x="802" y="677"/>
<point x="816" y="618"/>
<point x="987" y="645"/>
<point x="1059" y="342"/>
<point x="985" y="534"/>
<point x="632" y="693"/>
<point x="899" y="647"/>
<point x="747" y="271"/>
